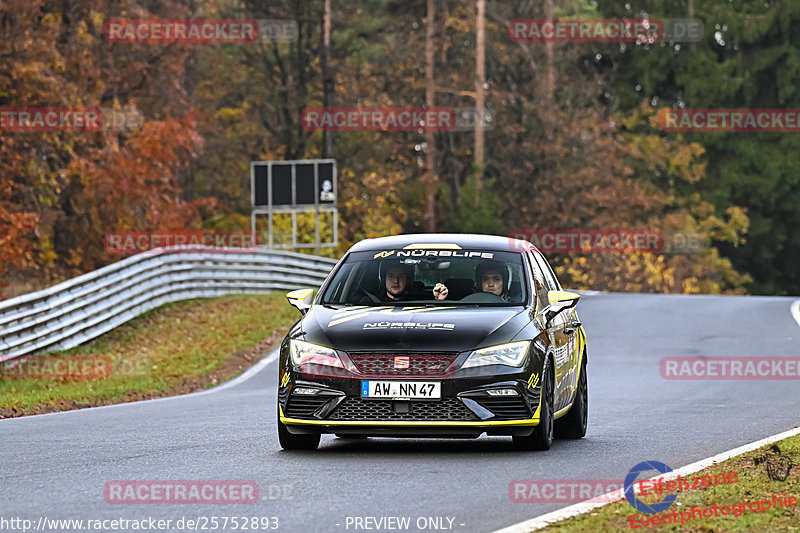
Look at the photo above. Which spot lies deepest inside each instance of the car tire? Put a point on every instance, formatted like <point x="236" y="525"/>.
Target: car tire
<point x="573" y="426"/>
<point x="542" y="436"/>
<point x="290" y="441"/>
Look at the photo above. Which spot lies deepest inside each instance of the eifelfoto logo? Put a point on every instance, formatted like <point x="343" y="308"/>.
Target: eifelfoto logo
<point x="635" y="502"/>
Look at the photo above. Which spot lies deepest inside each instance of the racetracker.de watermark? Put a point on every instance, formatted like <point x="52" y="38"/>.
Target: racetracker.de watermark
<point x="467" y="119"/>
<point x="74" y="367"/>
<point x="565" y="490"/>
<point x="134" y="242"/>
<point x="729" y="368"/>
<point x="636" y="30"/>
<point x="188" y="492"/>
<point x="378" y="119"/>
<point x="594" y="241"/>
<point x="36" y="119"/>
<point x="730" y="120"/>
<point x="585" y="30"/>
<point x="58" y="367"/>
<point x="199" y="31"/>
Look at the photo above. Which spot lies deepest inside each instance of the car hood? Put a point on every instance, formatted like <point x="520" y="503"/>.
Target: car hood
<point x="412" y="328"/>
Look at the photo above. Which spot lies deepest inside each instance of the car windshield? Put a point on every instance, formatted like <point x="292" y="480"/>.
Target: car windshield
<point x="427" y="276"/>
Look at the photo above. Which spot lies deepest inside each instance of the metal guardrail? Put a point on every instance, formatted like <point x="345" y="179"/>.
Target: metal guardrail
<point x="75" y="311"/>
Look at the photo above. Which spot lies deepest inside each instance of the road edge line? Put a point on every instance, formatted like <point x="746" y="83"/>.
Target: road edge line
<point x="540" y="522"/>
<point x="251" y="372"/>
<point x="795" y="309"/>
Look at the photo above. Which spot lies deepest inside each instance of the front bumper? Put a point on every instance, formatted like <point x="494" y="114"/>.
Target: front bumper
<point x="465" y="408"/>
<point x="411" y="429"/>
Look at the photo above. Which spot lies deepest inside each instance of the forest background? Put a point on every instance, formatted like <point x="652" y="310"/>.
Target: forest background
<point x="574" y="143"/>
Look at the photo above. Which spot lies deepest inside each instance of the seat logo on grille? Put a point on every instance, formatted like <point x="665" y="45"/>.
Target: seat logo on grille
<point x="401" y="363"/>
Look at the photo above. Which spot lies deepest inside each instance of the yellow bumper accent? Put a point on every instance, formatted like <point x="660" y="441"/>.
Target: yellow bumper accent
<point x="384" y="423"/>
<point x="561" y="412"/>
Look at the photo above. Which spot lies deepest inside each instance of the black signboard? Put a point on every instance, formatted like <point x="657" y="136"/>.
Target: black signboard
<point x="294" y="183"/>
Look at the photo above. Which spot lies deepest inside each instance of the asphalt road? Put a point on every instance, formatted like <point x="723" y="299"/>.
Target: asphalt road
<point x="56" y="466"/>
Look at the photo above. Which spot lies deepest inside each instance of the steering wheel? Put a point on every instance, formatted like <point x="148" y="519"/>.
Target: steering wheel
<point x="482" y="297"/>
<point x="372" y="298"/>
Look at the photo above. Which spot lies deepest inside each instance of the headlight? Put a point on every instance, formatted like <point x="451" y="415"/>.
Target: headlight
<point x="303" y="353"/>
<point x="511" y="354"/>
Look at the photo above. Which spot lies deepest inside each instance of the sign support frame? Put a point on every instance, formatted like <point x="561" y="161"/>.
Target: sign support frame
<point x="317" y="208"/>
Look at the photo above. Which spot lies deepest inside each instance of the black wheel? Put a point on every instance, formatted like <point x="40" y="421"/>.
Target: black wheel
<point x="290" y="441"/>
<point x="573" y="426"/>
<point x="542" y="436"/>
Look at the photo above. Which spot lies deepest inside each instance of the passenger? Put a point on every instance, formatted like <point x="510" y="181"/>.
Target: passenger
<point x="492" y="276"/>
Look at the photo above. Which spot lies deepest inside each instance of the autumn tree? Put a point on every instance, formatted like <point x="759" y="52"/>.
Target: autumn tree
<point x="57" y="56"/>
<point x="748" y="58"/>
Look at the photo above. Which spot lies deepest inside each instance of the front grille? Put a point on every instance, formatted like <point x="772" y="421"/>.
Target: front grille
<point x="374" y="365"/>
<point x="301" y="406"/>
<point x="512" y="408"/>
<point x="442" y="410"/>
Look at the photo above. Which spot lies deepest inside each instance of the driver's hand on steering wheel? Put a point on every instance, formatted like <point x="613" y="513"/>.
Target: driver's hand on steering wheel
<point x="440" y="291"/>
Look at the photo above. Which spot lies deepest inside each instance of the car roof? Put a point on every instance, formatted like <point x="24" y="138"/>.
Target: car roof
<point x="463" y="240"/>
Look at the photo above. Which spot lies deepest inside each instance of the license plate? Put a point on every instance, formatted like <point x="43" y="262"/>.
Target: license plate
<point x="412" y="390"/>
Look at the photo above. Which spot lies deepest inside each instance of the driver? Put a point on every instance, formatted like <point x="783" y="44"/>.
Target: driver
<point x="492" y="276"/>
<point x="396" y="280"/>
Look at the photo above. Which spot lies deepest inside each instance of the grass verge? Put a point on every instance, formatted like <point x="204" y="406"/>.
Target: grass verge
<point x="176" y="349"/>
<point x="758" y="478"/>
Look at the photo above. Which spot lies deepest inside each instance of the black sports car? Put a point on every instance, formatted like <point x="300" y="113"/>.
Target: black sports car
<point x="435" y="335"/>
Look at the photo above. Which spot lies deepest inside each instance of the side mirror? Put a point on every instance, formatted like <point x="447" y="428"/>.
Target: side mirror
<point x="301" y="299"/>
<point x="560" y="300"/>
